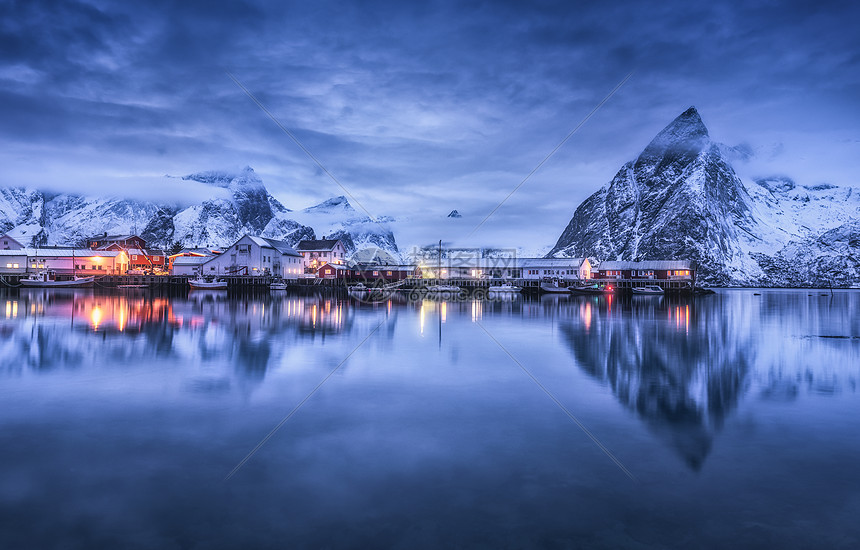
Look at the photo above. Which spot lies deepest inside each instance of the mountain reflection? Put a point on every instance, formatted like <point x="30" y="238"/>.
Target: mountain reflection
<point x="680" y="364"/>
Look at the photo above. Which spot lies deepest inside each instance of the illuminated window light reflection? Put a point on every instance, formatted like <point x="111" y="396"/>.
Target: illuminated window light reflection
<point x="96" y="317"/>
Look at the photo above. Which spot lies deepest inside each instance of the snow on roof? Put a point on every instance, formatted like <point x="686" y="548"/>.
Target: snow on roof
<point x="318" y="244"/>
<point x="280" y="246"/>
<point x="551" y="262"/>
<point x="190" y="260"/>
<point x="61" y="253"/>
<point x="647" y="264"/>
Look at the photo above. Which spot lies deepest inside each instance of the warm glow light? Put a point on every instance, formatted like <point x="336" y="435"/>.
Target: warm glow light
<point x="476" y="311"/>
<point x="121" y="319"/>
<point x="585" y="313"/>
<point x="96" y="317"/>
<point x="687" y="316"/>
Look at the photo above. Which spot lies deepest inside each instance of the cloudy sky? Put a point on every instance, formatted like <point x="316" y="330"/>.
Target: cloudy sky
<point x="418" y="108"/>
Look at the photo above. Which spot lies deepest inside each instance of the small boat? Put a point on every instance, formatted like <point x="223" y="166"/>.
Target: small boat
<point x="587" y="289"/>
<point x="200" y="283"/>
<point x="48" y="279"/>
<point x="504" y="288"/>
<point x="553" y="287"/>
<point x="358" y="287"/>
<point x="278" y="285"/>
<point x="649" y="290"/>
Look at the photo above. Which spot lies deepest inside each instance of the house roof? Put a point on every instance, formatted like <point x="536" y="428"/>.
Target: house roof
<point x="336" y="267"/>
<point x="280" y="246"/>
<point x="318" y="244"/>
<point x="113" y="237"/>
<point x="647" y="264"/>
<point x="190" y="260"/>
<point x="550" y="262"/>
<point x="61" y="253"/>
<point x="384" y="267"/>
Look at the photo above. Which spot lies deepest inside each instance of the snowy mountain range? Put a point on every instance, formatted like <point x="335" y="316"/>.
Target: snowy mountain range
<point x="682" y="199"/>
<point x="241" y="204"/>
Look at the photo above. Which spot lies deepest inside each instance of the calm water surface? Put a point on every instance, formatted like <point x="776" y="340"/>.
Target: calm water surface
<point x="722" y="421"/>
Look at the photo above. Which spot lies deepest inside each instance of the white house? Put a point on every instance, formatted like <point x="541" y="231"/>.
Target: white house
<point x="64" y="261"/>
<point x="188" y="265"/>
<point x="255" y="256"/>
<point x="556" y="268"/>
<point x="8" y="242"/>
<point x="321" y="251"/>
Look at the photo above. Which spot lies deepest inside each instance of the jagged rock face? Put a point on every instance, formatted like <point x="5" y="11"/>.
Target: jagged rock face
<point x="681" y="199"/>
<point x="455" y="214"/>
<point x="337" y="219"/>
<point x="247" y="208"/>
<point x="837" y="259"/>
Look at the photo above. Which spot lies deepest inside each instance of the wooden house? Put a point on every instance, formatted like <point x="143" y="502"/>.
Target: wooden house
<point x="317" y="252"/>
<point x="648" y="270"/>
<point x="64" y="261"/>
<point x="571" y="269"/>
<point x="255" y="256"/>
<point x="123" y="242"/>
<point x="8" y="242"/>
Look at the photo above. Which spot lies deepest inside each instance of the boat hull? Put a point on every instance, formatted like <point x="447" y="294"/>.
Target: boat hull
<point x="588" y="291"/>
<point x="84" y="282"/>
<point x="207" y="286"/>
<point x="553" y="289"/>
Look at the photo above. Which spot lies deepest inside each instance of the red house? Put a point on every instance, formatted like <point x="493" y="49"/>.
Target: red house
<point x="650" y="270"/>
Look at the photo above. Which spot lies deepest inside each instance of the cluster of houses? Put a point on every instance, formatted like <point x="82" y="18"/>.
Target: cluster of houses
<point x="321" y="258"/>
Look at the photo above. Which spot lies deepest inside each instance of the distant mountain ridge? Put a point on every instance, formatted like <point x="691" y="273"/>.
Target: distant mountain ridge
<point x="681" y="199"/>
<point x="43" y="219"/>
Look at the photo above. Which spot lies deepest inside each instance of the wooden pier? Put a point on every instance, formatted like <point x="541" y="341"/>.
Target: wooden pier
<point x="257" y="283"/>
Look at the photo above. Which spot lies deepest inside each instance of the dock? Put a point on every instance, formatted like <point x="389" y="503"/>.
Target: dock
<point x="256" y="283"/>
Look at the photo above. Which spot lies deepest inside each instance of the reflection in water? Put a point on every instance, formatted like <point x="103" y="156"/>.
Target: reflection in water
<point x="123" y="414"/>
<point x="675" y="363"/>
<point x="683" y="364"/>
<point x="73" y="329"/>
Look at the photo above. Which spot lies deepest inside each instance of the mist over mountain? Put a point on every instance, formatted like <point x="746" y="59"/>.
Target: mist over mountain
<point x="38" y="218"/>
<point x="682" y="199"/>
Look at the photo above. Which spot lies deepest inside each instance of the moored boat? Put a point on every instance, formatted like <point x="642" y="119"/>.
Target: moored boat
<point x="553" y="287"/>
<point x="199" y="283"/>
<point x="648" y="290"/>
<point x="505" y="288"/>
<point x="48" y="279"/>
<point x="278" y="285"/>
<point x="587" y="289"/>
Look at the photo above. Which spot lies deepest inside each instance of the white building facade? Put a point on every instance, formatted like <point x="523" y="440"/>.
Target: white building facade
<point x="572" y="269"/>
<point x="255" y="256"/>
<point x="64" y="261"/>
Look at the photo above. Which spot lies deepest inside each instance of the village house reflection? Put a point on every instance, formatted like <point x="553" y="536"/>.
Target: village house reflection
<point x="80" y="329"/>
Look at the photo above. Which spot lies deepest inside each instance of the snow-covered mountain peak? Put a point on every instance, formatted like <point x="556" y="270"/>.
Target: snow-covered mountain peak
<point x="243" y="180"/>
<point x="687" y="133"/>
<point x="681" y="198"/>
<point x="332" y="205"/>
